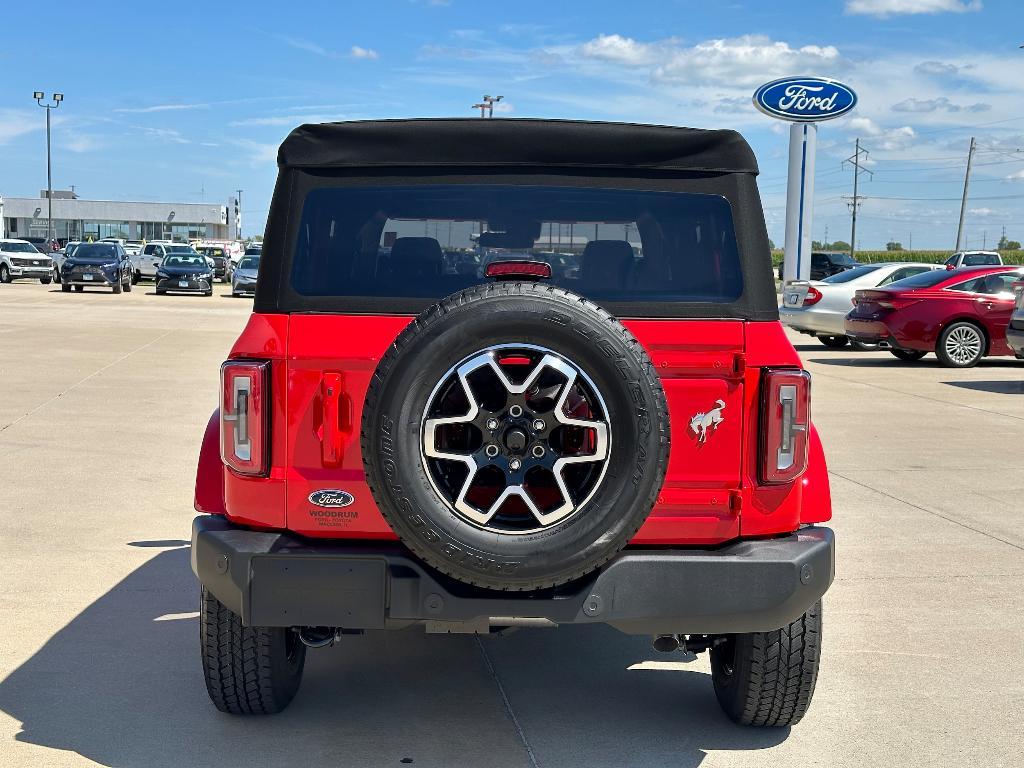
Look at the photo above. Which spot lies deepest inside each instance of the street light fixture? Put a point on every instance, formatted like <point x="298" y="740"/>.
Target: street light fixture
<point x="57" y="99"/>
<point x="486" y="106"/>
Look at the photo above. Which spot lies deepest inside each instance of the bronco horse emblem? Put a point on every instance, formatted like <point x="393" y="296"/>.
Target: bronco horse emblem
<point x="702" y="422"/>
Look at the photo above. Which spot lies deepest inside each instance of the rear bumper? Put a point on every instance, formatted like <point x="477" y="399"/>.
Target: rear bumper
<point x="814" y="323"/>
<point x="276" y="579"/>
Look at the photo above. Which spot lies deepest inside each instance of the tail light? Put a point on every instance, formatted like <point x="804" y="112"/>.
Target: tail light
<point x="786" y="420"/>
<point x="244" y="416"/>
<point x="813" y="296"/>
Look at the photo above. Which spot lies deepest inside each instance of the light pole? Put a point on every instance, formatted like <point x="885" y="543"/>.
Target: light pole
<point x="238" y="220"/>
<point x="57" y="99"/>
<point x="486" y="106"/>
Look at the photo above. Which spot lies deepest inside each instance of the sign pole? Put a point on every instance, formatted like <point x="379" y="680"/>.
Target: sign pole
<point x="799" y="202"/>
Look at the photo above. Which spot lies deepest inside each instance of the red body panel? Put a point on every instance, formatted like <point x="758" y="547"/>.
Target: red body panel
<point x="930" y="310"/>
<point x="322" y="365"/>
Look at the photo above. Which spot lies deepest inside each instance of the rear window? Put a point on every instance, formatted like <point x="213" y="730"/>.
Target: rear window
<point x="981" y="260"/>
<point x="428" y="241"/>
<point x="851" y="274"/>
<point x="923" y="280"/>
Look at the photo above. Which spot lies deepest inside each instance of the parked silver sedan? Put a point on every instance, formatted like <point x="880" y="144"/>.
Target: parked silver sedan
<point x="243" y="279"/>
<point x="819" y="307"/>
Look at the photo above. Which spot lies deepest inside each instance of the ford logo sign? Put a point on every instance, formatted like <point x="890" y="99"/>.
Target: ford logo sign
<point x="805" y="99"/>
<point x="330" y="498"/>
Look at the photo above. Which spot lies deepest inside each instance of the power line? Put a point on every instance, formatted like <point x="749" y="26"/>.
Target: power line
<point x="856" y="160"/>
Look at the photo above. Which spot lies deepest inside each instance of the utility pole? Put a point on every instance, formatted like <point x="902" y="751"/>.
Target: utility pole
<point x="984" y="239"/>
<point x="57" y="99"/>
<point x="963" y="202"/>
<point x="856" y="161"/>
<point x="825" y="245"/>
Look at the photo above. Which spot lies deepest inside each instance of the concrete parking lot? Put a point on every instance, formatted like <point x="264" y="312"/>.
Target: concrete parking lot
<point x="103" y="400"/>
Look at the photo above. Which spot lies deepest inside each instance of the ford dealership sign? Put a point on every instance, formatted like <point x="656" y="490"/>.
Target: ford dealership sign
<point x="805" y="99"/>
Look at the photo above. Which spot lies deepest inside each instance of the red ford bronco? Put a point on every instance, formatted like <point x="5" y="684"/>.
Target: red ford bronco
<point x="472" y="346"/>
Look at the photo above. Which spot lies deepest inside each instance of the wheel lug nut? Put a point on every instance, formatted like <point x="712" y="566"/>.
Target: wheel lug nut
<point x="515" y="411"/>
<point x="538" y="425"/>
<point x="491" y="450"/>
<point x="514" y="465"/>
<point x="538" y="451"/>
<point x="492" y="424"/>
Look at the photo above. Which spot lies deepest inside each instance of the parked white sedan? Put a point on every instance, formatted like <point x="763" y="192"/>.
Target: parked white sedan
<point x="819" y="307"/>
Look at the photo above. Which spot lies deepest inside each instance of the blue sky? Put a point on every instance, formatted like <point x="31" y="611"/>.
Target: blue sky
<point x="188" y="103"/>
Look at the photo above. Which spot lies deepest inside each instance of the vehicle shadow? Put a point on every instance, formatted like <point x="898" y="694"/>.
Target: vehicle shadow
<point x="996" y="387"/>
<point x="121" y="685"/>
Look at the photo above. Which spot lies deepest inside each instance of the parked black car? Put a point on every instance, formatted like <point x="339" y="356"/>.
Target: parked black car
<point x="221" y="261"/>
<point x="827" y="264"/>
<point x="184" y="273"/>
<point x="98" y="264"/>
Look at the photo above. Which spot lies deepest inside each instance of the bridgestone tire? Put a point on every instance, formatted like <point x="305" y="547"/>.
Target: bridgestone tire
<point x="767" y="678"/>
<point x="248" y="670"/>
<point x="515" y="313"/>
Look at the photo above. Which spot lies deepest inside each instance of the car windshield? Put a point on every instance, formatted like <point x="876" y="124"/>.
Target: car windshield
<point x="181" y="249"/>
<point x="606" y="244"/>
<point x="18" y="248"/>
<point x="253" y="250"/>
<point x="843" y="259"/>
<point x="249" y="262"/>
<point x="922" y="280"/>
<point x="851" y="274"/>
<point x="96" y="251"/>
<point x="184" y="260"/>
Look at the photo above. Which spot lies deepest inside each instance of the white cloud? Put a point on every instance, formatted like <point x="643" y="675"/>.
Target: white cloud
<point x="938" y="104"/>
<point x="80" y="143"/>
<point x="15" y="122"/>
<point x="885" y="8"/>
<point x="983" y="212"/>
<point x="309" y="46"/>
<point x="743" y="61"/>
<point x="883" y="138"/>
<point x="359" y="52"/>
<point x="259" y="153"/>
<point x="622" y="50"/>
<point x="165" y="135"/>
<point x="937" y="68"/>
<point x="161" y="108"/>
<point x="1016" y="176"/>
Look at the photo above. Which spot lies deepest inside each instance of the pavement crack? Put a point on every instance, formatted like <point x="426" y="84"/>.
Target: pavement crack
<point x="507" y="703"/>
<point x="92" y="375"/>
<point x="925" y="509"/>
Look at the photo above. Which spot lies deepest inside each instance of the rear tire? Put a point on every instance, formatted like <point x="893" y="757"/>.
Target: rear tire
<point x="117" y="287"/>
<point x="46" y="280"/>
<point x="136" y="276"/>
<point x="248" y="670"/>
<point x="961" y="345"/>
<point x="65" y="287"/>
<point x="834" y="342"/>
<point x="767" y="678"/>
<point x="79" y="288"/>
<point x="127" y="286"/>
<point x="5" y="274"/>
<point x="908" y="355"/>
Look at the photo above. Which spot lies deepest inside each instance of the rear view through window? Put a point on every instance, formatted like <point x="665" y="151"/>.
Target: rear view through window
<point x="428" y="241"/>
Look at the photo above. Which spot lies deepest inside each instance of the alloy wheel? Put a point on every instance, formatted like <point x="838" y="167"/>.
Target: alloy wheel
<point x="963" y="344"/>
<point x="515" y="438"/>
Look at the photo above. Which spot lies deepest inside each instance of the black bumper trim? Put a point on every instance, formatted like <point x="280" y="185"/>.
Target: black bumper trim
<point x="276" y="579"/>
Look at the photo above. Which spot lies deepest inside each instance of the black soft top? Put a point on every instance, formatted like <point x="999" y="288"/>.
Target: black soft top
<point x="514" y="142"/>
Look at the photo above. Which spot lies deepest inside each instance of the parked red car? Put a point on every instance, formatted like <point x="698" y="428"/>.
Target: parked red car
<point x="960" y="315"/>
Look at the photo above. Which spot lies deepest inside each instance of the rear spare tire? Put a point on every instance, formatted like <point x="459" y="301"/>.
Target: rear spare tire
<point x="515" y="436"/>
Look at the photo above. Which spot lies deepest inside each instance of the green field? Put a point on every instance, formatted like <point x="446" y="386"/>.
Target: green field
<point x="930" y="257"/>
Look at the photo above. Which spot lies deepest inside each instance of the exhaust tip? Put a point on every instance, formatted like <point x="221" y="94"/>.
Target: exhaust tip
<point x="665" y="643"/>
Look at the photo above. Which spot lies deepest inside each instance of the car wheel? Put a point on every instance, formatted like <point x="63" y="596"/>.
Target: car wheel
<point x="66" y="287"/>
<point x="46" y="280"/>
<point x="117" y="287"/>
<point x="248" y="670"/>
<point x="79" y="288"/>
<point x="56" y="275"/>
<point x="908" y="355"/>
<point x="160" y="291"/>
<point x="127" y="286"/>
<point x="833" y="342"/>
<point x="767" y="678"/>
<point x="503" y="509"/>
<point x="961" y="345"/>
<point x="136" y="276"/>
<point x="864" y="346"/>
<point x="5" y="274"/>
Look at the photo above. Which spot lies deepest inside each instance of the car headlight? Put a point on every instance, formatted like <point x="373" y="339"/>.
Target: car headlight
<point x="160" y="273"/>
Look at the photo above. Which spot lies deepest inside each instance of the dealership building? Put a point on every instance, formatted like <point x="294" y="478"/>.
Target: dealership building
<point x="78" y="219"/>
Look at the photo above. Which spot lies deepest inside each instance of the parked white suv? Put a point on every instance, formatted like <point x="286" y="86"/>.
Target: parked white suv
<point x="145" y="262"/>
<point x="974" y="259"/>
<point x="19" y="258"/>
